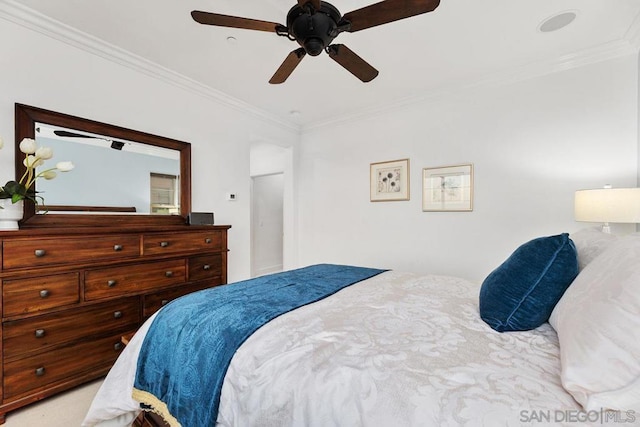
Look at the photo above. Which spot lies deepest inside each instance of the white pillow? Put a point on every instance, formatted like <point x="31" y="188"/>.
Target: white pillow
<point x="591" y="242"/>
<point x="598" y="325"/>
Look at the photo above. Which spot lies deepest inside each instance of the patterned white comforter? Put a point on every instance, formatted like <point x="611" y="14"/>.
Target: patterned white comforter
<point x="394" y="350"/>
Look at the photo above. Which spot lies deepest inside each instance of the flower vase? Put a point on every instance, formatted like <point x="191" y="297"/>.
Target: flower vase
<point x="10" y="214"/>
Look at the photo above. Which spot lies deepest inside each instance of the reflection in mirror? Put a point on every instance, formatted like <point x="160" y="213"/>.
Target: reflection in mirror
<point x="124" y="160"/>
<point x="111" y="175"/>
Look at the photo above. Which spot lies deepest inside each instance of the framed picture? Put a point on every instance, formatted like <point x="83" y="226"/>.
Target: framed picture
<point x="447" y="188"/>
<point x="390" y="180"/>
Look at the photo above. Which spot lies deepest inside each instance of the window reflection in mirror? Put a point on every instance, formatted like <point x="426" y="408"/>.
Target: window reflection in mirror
<point x="110" y="175"/>
<point x="164" y="194"/>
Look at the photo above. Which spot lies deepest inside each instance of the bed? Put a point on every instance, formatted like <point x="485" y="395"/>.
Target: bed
<point x="412" y="350"/>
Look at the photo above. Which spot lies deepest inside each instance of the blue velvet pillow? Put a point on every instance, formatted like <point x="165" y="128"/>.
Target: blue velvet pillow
<point x="521" y="294"/>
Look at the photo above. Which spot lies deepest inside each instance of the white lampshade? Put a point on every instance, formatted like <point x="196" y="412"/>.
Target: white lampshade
<point x="608" y="205"/>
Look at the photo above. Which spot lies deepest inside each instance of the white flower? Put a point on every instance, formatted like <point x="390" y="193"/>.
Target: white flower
<point x="44" y="153"/>
<point x="65" y="166"/>
<point x="50" y="174"/>
<point x="1" y="142"/>
<point x="34" y="157"/>
<point x="28" y="146"/>
<point x="32" y="162"/>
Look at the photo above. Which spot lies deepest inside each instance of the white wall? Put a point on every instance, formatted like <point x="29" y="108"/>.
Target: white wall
<point x="41" y="71"/>
<point x="533" y="143"/>
<point x="267" y="197"/>
<point x="270" y="158"/>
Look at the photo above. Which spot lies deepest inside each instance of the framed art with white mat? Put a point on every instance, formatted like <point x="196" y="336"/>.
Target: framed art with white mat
<point x="389" y="181"/>
<point x="447" y="188"/>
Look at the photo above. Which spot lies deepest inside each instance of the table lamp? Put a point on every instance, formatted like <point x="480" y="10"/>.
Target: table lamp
<point x="608" y="205"/>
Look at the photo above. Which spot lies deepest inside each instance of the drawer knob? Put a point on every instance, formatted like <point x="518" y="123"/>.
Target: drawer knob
<point x="207" y="240"/>
<point x="39" y="253"/>
<point x="39" y="333"/>
<point x="117" y="248"/>
<point x="206" y="267"/>
<point x="117" y="346"/>
<point x="164" y="244"/>
<point x="44" y="293"/>
<point x="117" y="314"/>
<point x="40" y="371"/>
<point x="164" y="302"/>
<point x="112" y="283"/>
<point x="168" y="273"/>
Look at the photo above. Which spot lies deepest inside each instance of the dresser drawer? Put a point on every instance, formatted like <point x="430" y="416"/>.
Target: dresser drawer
<point x="153" y="302"/>
<point x="47" y="331"/>
<point x="135" y="278"/>
<point x="22" y="296"/>
<point x="206" y="267"/>
<point x="156" y="244"/>
<point x="50" y="251"/>
<point x="32" y="373"/>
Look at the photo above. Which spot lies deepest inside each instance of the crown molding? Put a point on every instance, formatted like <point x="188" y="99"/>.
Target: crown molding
<point x="506" y="77"/>
<point x="633" y="33"/>
<point x="35" y="21"/>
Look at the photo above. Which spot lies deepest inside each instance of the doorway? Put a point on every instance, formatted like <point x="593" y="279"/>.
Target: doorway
<point x="267" y="224"/>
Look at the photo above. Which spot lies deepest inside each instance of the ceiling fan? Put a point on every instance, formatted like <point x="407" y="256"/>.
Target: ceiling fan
<point x="315" y="23"/>
<point x="116" y="145"/>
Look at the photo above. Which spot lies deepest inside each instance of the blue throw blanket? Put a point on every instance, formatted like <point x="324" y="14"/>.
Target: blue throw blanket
<point x="187" y="350"/>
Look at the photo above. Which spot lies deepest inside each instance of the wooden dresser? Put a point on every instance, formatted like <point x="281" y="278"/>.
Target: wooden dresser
<point x="68" y="295"/>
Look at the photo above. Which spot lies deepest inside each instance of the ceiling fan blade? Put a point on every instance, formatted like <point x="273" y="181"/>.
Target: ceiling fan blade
<point x="352" y="62"/>
<point x="290" y="63"/>
<point x="67" y="134"/>
<point x="314" y="3"/>
<point x="387" y="11"/>
<point x="208" y="18"/>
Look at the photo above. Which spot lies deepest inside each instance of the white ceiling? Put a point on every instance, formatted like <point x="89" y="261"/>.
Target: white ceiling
<point x="462" y="43"/>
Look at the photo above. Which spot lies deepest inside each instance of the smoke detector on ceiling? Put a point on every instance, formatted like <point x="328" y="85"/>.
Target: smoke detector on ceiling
<point x="557" y="21"/>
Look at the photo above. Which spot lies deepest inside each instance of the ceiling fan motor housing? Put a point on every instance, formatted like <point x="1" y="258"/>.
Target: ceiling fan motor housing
<point x="314" y="30"/>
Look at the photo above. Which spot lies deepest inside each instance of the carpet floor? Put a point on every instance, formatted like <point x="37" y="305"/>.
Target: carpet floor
<point x="64" y="410"/>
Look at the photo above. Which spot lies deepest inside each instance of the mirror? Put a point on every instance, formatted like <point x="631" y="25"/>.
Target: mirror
<point x="130" y="176"/>
<point x="145" y="181"/>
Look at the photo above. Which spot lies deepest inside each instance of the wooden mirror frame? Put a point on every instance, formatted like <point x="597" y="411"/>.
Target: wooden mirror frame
<point x="26" y="118"/>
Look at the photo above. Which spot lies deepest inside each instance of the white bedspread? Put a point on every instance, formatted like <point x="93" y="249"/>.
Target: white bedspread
<point x="394" y="350"/>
